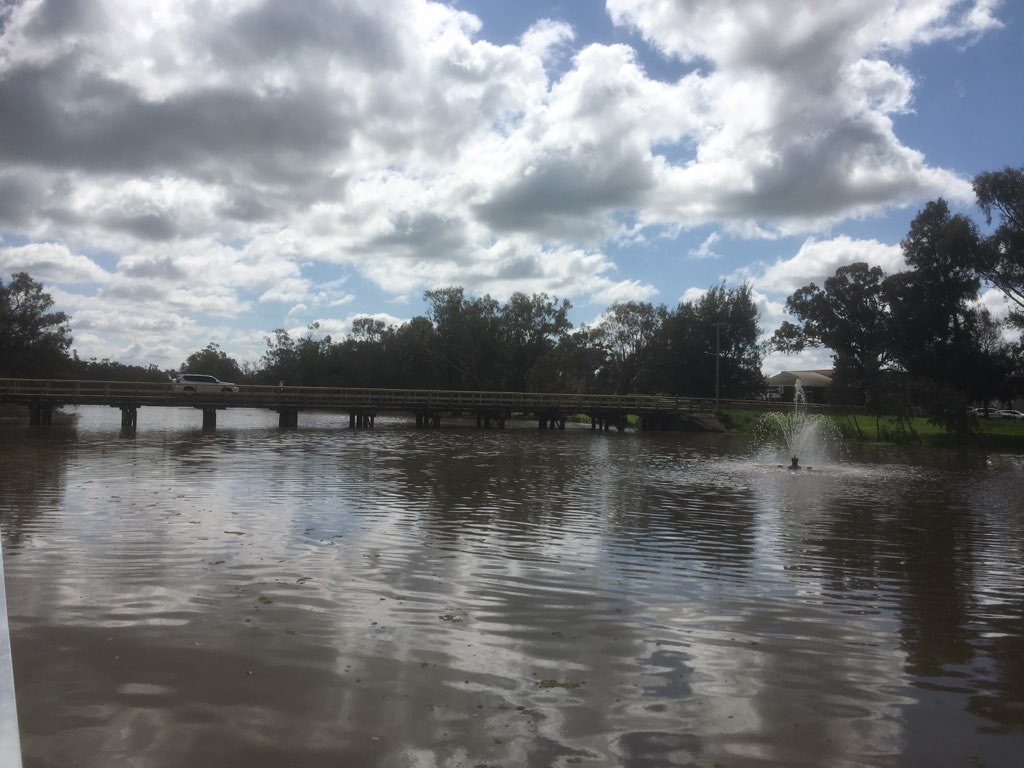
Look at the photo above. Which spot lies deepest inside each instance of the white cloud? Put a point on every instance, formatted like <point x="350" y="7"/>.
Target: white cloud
<point x="999" y="307"/>
<point x="795" y="125"/>
<point x="626" y="290"/>
<point x="51" y="261"/>
<point x="817" y="260"/>
<point x="735" y="32"/>
<point x="813" y="262"/>
<point x="706" y="250"/>
<point x="223" y="154"/>
<point x="289" y="290"/>
<point x="692" y="295"/>
<point x="345" y="324"/>
<point x="546" y="38"/>
<point x="817" y="359"/>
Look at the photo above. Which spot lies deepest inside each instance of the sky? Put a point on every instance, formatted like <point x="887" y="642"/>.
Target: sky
<point x="180" y="172"/>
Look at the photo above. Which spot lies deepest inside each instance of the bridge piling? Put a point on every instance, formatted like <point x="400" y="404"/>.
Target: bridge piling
<point x="654" y="412"/>
<point x="551" y="421"/>
<point x="428" y="419"/>
<point x="209" y="419"/>
<point x="129" y="420"/>
<point x="40" y="414"/>
<point x="422" y="420"/>
<point x="287" y="418"/>
<point x="362" y="419"/>
<point x="485" y="419"/>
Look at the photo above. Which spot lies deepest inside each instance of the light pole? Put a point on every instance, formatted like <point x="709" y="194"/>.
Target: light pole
<point x="718" y="357"/>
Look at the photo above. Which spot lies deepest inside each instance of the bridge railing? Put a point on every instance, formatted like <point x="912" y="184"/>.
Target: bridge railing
<point x="134" y="393"/>
<point x="78" y="392"/>
<point x="426" y="399"/>
<point x="73" y="391"/>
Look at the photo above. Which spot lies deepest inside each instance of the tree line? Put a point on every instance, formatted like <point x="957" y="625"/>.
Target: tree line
<point x="913" y="339"/>
<point x="526" y="343"/>
<point x="918" y="338"/>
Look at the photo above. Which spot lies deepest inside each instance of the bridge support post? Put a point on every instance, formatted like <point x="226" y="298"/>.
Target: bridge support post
<point x="209" y="419"/>
<point x="362" y="419"/>
<point x="428" y="419"/>
<point x="551" y="421"/>
<point x="40" y="415"/>
<point x="129" y="420"/>
<point x="604" y="421"/>
<point x="287" y="418"/>
<point x="486" y="419"/>
<point x="656" y="422"/>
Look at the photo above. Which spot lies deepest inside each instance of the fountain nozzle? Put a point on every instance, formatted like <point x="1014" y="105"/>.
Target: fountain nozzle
<point x="794" y="463"/>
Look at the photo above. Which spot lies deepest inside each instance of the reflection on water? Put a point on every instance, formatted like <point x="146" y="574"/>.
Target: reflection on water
<point x="401" y="597"/>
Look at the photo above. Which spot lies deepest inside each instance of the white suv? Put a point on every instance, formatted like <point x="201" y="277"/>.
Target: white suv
<point x="200" y="382"/>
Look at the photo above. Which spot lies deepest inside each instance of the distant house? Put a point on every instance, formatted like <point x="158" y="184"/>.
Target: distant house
<point x="815" y="385"/>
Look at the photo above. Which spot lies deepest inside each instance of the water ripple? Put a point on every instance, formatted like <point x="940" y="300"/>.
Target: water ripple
<point x="398" y="596"/>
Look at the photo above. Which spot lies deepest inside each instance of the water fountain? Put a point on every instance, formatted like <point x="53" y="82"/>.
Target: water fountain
<point x="804" y="436"/>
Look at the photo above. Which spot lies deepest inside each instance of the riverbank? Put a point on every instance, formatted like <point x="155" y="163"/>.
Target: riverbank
<point x="1003" y="434"/>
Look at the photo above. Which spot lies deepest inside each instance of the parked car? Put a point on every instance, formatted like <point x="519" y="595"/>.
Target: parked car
<point x="983" y="412"/>
<point x="201" y="382"/>
<point x="1009" y="414"/>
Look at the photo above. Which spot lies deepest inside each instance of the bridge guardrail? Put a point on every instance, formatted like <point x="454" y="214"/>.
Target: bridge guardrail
<point x="128" y="394"/>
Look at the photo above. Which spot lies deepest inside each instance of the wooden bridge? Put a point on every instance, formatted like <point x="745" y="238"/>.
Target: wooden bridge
<point x="652" y="412"/>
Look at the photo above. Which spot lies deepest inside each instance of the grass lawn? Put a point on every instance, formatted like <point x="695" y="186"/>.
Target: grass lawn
<point x="989" y="433"/>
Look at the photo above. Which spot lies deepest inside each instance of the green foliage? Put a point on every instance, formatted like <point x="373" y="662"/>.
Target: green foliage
<point x="480" y="343"/>
<point x="628" y="335"/>
<point x="1000" y="260"/>
<point x="467" y="338"/>
<point x="528" y="344"/>
<point x="930" y="303"/>
<point x="950" y="349"/>
<point x="736" y="420"/>
<point x="717" y="330"/>
<point x="572" y="365"/>
<point x="530" y="329"/>
<point x="110" y="370"/>
<point x="307" y="361"/>
<point x="214" y="361"/>
<point x="33" y="339"/>
<point x="851" y="316"/>
<point x="914" y="342"/>
<point x="413" y="362"/>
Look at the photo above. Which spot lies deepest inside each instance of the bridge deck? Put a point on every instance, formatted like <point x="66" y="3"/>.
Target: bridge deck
<point x="136" y="394"/>
<point x="654" y="412"/>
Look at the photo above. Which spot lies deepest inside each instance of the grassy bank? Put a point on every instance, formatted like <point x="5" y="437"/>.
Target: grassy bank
<point x="990" y="433"/>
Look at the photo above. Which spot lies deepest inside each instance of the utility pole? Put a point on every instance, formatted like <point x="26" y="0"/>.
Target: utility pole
<point x="718" y="357"/>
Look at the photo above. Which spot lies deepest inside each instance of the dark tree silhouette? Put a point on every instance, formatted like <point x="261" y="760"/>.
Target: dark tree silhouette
<point x="1000" y="260"/>
<point x="849" y="315"/>
<point x="214" y="361"/>
<point x="34" y="340"/>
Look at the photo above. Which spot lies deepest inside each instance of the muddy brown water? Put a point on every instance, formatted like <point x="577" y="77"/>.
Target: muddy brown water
<point x="459" y="597"/>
